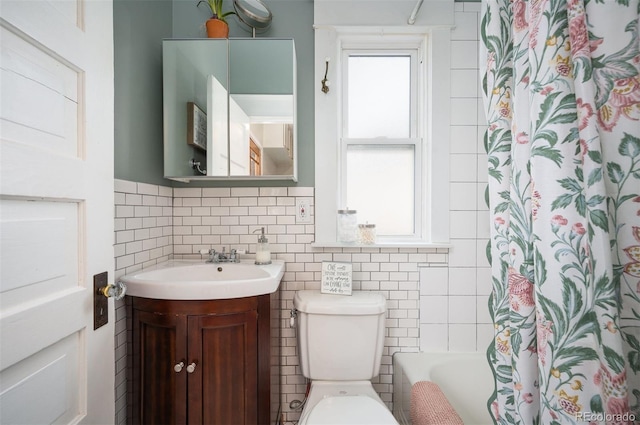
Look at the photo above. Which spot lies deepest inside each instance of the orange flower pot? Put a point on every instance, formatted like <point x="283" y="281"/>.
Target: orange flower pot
<point x="217" y="29"/>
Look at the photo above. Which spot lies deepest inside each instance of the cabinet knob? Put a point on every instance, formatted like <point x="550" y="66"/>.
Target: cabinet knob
<point x="191" y="368"/>
<point x="178" y="367"/>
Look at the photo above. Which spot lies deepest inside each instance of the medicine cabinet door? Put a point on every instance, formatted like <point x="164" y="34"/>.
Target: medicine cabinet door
<point x="195" y="113"/>
<point x="262" y="108"/>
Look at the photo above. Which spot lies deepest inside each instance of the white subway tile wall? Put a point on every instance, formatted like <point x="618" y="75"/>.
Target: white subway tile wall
<point x="437" y="298"/>
<point x="462" y="321"/>
<point x="231" y="221"/>
<point x="143" y="237"/>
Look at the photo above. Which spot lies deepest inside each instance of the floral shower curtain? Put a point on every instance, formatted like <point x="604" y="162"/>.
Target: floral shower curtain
<point x="562" y="96"/>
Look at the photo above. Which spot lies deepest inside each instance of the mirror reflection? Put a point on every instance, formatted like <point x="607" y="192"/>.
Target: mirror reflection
<point x="189" y="66"/>
<point x="229" y="109"/>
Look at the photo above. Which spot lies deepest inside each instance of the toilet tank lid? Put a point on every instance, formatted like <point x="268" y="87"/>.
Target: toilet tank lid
<point x="358" y="303"/>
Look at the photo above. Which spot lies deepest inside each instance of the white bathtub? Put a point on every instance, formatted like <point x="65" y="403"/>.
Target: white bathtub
<point x="464" y="378"/>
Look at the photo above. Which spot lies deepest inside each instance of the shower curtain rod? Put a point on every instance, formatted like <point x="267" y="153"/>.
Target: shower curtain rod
<point x="412" y="18"/>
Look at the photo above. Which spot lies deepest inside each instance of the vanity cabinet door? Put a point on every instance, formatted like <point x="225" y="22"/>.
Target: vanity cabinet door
<point x="160" y="343"/>
<point x="223" y="389"/>
<point x="224" y="355"/>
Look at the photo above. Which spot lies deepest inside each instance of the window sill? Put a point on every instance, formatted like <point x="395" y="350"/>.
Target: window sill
<point x="431" y="245"/>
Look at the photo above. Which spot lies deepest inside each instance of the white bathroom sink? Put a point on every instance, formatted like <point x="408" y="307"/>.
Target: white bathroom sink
<point x="191" y="280"/>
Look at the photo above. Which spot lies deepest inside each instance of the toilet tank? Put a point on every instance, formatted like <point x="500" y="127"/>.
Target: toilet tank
<point x="340" y="337"/>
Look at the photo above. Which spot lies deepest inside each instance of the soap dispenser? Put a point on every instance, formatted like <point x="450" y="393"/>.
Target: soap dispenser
<point x="263" y="254"/>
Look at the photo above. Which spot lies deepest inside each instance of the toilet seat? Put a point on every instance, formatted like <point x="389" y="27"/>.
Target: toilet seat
<point x="349" y="410"/>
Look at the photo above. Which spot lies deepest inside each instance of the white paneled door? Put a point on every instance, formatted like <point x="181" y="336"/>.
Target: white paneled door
<point x="56" y="210"/>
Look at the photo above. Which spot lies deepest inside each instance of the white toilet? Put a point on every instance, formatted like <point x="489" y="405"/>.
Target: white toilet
<point x="340" y="341"/>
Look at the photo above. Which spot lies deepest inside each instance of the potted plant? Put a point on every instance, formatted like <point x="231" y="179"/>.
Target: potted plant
<point x="217" y="26"/>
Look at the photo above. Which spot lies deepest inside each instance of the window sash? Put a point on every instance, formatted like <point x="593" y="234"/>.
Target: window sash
<point x="418" y="186"/>
<point x="412" y="53"/>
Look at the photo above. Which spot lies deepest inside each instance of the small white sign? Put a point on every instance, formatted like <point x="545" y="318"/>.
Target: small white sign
<point x="336" y="278"/>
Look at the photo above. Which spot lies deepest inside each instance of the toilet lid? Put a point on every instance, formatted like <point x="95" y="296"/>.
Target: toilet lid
<point x="350" y="410"/>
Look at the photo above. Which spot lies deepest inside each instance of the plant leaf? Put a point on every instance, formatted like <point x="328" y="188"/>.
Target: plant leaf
<point x="630" y="146"/>
<point x="562" y="201"/>
<point x="615" y="172"/>
<point x="596" y="404"/>
<point x="599" y="218"/>
<point x="594" y="176"/>
<point x="548" y="152"/>
<point x="614" y="360"/>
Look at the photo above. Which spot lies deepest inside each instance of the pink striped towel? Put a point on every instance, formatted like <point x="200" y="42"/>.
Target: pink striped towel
<point x="429" y="406"/>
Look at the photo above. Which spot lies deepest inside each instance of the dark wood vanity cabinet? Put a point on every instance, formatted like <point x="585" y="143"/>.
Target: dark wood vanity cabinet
<point x="202" y="362"/>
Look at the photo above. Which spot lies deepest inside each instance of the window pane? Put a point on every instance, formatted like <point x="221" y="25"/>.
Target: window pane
<point x="379" y="96"/>
<point x="380" y="186"/>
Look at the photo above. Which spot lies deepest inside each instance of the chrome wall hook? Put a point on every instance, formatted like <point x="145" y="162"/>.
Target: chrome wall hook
<point x="196" y="166"/>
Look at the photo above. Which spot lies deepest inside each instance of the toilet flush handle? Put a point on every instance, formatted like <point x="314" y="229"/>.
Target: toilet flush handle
<point x="292" y="319"/>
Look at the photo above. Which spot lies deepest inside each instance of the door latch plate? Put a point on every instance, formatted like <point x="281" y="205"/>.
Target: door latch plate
<point x="100" y="302"/>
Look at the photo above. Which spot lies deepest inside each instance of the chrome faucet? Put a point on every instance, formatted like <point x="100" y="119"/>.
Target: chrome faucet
<point x="221" y="257"/>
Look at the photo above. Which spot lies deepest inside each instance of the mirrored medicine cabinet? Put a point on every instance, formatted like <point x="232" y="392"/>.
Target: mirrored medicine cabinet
<point x="229" y="109"/>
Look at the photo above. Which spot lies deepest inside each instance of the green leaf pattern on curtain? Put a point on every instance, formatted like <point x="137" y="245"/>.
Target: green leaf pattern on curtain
<point x="562" y="91"/>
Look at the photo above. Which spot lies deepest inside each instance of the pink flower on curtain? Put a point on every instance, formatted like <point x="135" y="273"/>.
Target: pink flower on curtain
<point x="535" y="204"/>
<point x="543" y="330"/>
<point x="633" y="252"/>
<point x="563" y="65"/>
<point x="614" y="389"/>
<point x="585" y="112"/>
<point x="520" y="290"/>
<point x="578" y="229"/>
<point x="578" y="33"/>
<point x="535" y="15"/>
<point x="495" y="409"/>
<point x="505" y="109"/>
<point x="569" y="403"/>
<point x="584" y="149"/>
<point x="624" y="100"/>
<point x="618" y="406"/>
<point x="491" y="59"/>
<point x="580" y="44"/>
<point x="557" y="221"/>
<point x="626" y="96"/>
<point x="520" y="15"/>
<point x="502" y="345"/>
<point x="546" y="90"/>
<point x="522" y="138"/>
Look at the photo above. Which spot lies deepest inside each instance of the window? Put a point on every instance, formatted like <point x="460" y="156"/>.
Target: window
<point x="381" y="134"/>
<point x="380" y="146"/>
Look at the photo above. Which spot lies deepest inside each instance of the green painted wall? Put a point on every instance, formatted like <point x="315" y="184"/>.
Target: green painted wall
<point x="139" y="27"/>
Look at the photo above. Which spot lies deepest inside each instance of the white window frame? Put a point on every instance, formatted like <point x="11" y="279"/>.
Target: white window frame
<point x="432" y="129"/>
